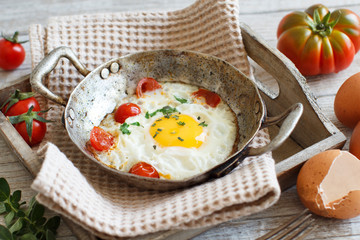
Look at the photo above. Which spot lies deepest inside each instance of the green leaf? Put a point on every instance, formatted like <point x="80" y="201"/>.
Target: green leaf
<point x="20" y="213"/>
<point x="40" y="221"/>
<point x="28" y="236"/>
<point x="37" y="212"/>
<point x="16" y="226"/>
<point x="7" y="207"/>
<point x="203" y="124"/>
<point x="4" y="189"/>
<point x="135" y="124"/>
<point x="50" y="235"/>
<point x="5" y="234"/>
<point x="52" y="224"/>
<point x="181" y="100"/>
<point x="32" y="203"/>
<point x="16" y="196"/>
<point x="9" y="217"/>
<point x="2" y="208"/>
<point x="124" y="128"/>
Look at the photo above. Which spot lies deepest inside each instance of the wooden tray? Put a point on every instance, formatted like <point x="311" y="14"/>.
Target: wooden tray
<point x="313" y="134"/>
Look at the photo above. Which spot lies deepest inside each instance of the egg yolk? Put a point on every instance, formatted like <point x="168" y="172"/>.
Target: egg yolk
<point x="176" y="130"/>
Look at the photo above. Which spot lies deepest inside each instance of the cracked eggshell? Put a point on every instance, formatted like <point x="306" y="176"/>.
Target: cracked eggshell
<point x="329" y="184"/>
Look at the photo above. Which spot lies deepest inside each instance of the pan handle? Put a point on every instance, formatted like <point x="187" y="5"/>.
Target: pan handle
<point x="291" y="117"/>
<point x="47" y="65"/>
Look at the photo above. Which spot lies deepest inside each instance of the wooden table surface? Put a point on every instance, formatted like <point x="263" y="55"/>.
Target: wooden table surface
<point x="263" y="17"/>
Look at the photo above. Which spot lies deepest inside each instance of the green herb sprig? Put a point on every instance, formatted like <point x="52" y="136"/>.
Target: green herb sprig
<point x="24" y="223"/>
<point x="167" y="110"/>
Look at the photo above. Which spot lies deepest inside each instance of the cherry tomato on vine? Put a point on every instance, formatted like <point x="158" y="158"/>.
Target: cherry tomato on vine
<point x="146" y="85"/>
<point x="38" y="132"/>
<point x="19" y="103"/>
<point x="125" y="111"/>
<point x="12" y="53"/>
<point x="100" y="139"/>
<point x="319" y="42"/>
<point x="211" y="98"/>
<point x="144" y="169"/>
<point x="30" y="125"/>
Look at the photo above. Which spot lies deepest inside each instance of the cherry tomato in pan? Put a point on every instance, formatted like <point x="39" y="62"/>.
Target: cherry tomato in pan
<point x="19" y="103"/>
<point x="100" y="139"/>
<point x="144" y="169"/>
<point x="12" y="53"/>
<point x="211" y="98"/>
<point x="125" y="111"/>
<point x="146" y="85"/>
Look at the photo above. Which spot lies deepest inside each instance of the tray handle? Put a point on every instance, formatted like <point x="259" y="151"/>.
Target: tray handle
<point x="47" y="65"/>
<point x="291" y="117"/>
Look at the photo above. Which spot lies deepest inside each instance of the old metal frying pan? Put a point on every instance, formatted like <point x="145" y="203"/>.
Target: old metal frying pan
<point x="95" y="95"/>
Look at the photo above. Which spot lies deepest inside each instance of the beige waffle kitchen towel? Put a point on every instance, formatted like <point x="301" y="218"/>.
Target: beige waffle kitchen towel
<point x="76" y="188"/>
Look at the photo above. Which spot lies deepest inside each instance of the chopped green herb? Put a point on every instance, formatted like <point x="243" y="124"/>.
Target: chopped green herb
<point x="176" y="117"/>
<point x="158" y="120"/>
<point x="173" y="132"/>
<point x="181" y="100"/>
<point x="159" y="129"/>
<point x="124" y="128"/>
<point x="153" y="125"/>
<point x="203" y="124"/>
<point x="198" y="118"/>
<point x="135" y="124"/>
<point x="167" y="110"/>
<point x="154" y="146"/>
<point x="180" y="139"/>
<point x="181" y="123"/>
<point x="156" y="133"/>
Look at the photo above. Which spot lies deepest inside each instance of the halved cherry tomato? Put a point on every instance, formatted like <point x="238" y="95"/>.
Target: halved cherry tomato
<point x="100" y="139"/>
<point x="144" y="169"/>
<point x="146" y="85"/>
<point x="125" y="111"/>
<point x="211" y="98"/>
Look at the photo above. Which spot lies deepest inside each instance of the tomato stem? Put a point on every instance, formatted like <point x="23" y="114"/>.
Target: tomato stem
<point x="14" y="38"/>
<point x="322" y="26"/>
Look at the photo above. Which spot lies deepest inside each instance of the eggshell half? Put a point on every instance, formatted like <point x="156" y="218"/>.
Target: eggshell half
<point x="329" y="184"/>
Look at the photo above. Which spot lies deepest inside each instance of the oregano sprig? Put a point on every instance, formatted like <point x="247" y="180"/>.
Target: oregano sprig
<point x="21" y="222"/>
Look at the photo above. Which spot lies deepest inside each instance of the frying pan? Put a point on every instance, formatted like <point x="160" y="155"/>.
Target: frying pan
<point x="95" y="96"/>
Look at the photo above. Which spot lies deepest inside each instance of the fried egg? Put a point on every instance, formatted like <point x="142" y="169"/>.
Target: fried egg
<point x="177" y="133"/>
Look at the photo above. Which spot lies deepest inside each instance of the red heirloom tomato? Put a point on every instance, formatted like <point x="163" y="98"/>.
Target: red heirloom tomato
<point x="319" y="42"/>
<point x="146" y="85"/>
<point x="125" y="111"/>
<point x="12" y="53"/>
<point x="100" y="139"/>
<point x="211" y="98"/>
<point x="19" y="103"/>
<point x="144" y="169"/>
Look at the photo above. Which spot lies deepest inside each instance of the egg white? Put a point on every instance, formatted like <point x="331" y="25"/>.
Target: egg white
<point x="175" y="163"/>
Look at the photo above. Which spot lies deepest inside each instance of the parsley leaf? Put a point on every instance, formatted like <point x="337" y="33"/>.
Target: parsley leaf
<point x="181" y="123"/>
<point x="203" y="124"/>
<point x="181" y="100"/>
<point x="167" y="110"/>
<point x="124" y="128"/>
<point x="135" y="124"/>
<point x="180" y="139"/>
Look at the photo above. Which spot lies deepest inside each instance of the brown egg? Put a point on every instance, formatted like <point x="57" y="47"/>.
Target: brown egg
<point x="347" y="101"/>
<point x="329" y="184"/>
<point x="354" y="146"/>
